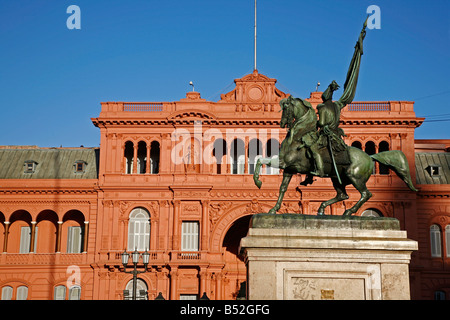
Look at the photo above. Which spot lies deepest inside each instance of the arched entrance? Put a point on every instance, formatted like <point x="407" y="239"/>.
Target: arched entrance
<point x="234" y="269"/>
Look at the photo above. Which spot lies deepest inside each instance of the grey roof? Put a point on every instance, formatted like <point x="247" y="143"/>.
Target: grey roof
<point x="424" y="160"/>
<point x="53" y="163"/>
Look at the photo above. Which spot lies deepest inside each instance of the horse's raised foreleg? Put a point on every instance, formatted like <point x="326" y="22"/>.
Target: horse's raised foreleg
<point x="340" y="196"/>
<point x="271" y="162"/>
<point x="283" y="187"/>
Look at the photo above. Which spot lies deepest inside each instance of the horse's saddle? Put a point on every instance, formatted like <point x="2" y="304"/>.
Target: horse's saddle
<point x="341" y="156"/>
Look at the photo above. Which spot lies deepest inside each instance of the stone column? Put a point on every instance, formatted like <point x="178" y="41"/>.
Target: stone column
<point x="246" y="154"/>
<point x="58" y="239"/>
<point x="149" y="148"/>
<point x="5" y="239"/>
<point x="85" y="236"/>
<point x="135" y="160"/>
<point x="33" y="236"/>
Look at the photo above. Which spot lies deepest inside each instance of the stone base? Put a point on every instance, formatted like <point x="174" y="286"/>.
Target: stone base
<point x="302" y="257"/>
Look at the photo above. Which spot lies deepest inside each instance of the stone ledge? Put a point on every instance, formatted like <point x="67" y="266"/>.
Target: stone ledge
<point x="300" y="221"/>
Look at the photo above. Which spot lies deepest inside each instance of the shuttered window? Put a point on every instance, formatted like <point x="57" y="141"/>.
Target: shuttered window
<point x="435" y="240"/>
<point x="189" y="236"/>
<point x="139" y="230"/>
<point x="7" y="293"/>
<point x="75" y="293"/>
<point x="447" y="240"/>
<point x="22" y="293"/>
<point x="74" y="239"/>
<point x="60" y="293"/>
<point x="25" y="239"/>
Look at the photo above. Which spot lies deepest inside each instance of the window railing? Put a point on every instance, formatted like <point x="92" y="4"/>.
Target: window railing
<point x="189" y="255"/>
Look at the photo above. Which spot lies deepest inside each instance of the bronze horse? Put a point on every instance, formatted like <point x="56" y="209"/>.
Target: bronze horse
<point x="299" y="116"/>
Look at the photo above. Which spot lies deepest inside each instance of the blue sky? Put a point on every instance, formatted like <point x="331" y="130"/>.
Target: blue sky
<point x="53" y="79"/>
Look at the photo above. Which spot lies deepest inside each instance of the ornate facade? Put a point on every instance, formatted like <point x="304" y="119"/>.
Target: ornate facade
<point x="175" y="179"/>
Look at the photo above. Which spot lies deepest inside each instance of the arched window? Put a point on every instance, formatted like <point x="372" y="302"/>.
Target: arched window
<point x="237" y="156"/>
<point x="128" y="155"/>
<point x="383" y="146"/>
<point x="141" y="157"/>
<point x="73" y="232"/>
<point x="254" y="152"/>
<point x="7" y="293"/>
<point x="272" y="151"/>
<point x="219" y="151"/>
<point x="60" y="293"/>
<point x="439" y="295"/>
<point x="357" y="144"/>
<point x="139" y="230"/>
<point x="19" y="238"/>
<point x="435" y="240"/>
<point x="370" y="149"/>
<point x="141" y="289"/>
<point x="154" y="157"/>
<point x="74" y="292"/>
<point x="371" y="213"/>
<point x="47" y="224"/>
<point x="22" y="293"/>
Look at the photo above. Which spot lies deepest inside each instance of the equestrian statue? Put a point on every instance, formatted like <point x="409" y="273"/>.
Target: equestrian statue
<point x="315" y="147"/>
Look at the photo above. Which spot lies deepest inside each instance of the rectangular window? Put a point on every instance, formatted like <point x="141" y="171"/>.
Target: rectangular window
<point x="189" y="236"/>
<point x="435" y="240"/>
<point x="434" y="171"/>
<point x="74" y="239"/>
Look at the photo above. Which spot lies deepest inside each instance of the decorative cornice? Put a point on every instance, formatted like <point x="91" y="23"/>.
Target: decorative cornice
<point x="47" y="191"/>
<point x="191" y="119"/>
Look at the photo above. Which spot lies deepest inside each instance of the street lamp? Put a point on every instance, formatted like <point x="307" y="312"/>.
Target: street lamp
<point x="135" y="259"/>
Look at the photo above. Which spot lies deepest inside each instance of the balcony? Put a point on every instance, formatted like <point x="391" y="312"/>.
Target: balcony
<point x="163" y="257"/>
<point x="155" y="258"/>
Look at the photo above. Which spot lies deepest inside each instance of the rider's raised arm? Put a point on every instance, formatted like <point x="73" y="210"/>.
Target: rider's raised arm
<point x="353" y="71"/>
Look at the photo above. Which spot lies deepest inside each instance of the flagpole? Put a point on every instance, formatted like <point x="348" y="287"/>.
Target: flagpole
<point x="255" y="39"/>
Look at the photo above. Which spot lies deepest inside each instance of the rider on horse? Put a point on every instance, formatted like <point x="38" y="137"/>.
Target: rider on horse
<point x="329" y="115"/>
<point x="330" y="135"/>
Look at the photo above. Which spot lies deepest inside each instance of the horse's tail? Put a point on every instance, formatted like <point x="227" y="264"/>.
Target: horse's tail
<point x="396" y="161"/>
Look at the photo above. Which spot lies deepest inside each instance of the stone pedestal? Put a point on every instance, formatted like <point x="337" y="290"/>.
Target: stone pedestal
<point x="301" y="257"/>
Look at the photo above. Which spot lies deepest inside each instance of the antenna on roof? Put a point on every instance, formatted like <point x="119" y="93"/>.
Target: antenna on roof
<point x="255" y="39"/>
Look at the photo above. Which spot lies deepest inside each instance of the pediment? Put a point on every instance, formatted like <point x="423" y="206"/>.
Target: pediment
<point x="254" y="88"/>
<point x="191" y="114"/>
